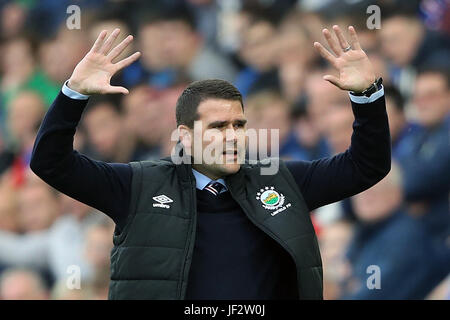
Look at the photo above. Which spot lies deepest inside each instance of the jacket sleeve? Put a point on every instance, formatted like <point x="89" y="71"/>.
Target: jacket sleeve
<point x="362" y="165"/>
<point x="101" y="185"/>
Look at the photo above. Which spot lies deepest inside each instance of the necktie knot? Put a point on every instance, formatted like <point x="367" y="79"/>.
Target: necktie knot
<point x="214" y="187"/>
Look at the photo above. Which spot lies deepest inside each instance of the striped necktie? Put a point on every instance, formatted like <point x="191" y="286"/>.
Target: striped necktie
<point x="214" y="187"/>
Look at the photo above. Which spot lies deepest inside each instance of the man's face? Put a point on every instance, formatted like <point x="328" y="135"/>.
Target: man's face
<point x="258" y="48"/>
<point x="154" y="56"/>
<point x="220" y="133"/>
<point x="104" y="128"/>
<point x="180" y="43"/>
<point x="400" y="38"/>
<point x="25" y="113"/>
<point x="271" y="116"/>
<point x="338" y="130"/>
<point x="38" y="207"/>
<point x="431" y="98"/>
<point x="380" y="201"/>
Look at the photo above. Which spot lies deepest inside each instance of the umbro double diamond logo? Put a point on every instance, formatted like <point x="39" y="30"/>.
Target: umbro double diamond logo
<point x="162" y="201"/>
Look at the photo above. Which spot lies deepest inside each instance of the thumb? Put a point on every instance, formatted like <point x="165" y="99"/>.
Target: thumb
<point x="332" y="79"/>
<point x="117" y="89"/>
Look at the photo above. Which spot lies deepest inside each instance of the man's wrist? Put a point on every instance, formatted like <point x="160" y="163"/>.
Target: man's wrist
<point x="364" y="99"/>
<point x="374" y="87"/>
<point x="72" y="93"/>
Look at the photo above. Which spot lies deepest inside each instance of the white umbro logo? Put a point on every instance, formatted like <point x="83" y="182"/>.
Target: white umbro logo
<point x="162" y="199"/>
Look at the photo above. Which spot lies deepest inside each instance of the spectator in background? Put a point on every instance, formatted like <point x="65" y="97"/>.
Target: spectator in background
<point x="390" y="239"/>
<point x="337" y="124"/>
<point x="180" y="53"/>
<point x="309" y="138"/>
<point x="269" y="110"/>
<point x="145" y="105"/>
<point x="424" y="155"/>
<point x="155" y="67"/>
<point x="38" y="205"/>
<point x="22" y="284"/>
<point x="188" y="53"/>
<point x="334" y="238"/>
<point x="295" y="56"/>
<point x="205" y="13"/>
<point x="258" y="50"/>
<point x="24" y="117"/>
<point x="338" y="127"/>
<point x="17" y="67"/>
<point x="106" y="130"/>
<point x="25" y="246"/>
<point x="167" y="102"/>
<point x="399" y="126"/>
<point x="408" y="45"/>
<point x="97" y="249"/>
<point x="139" y="112"/>
<point x="59" y="55"/>
<point x="8" y="208"/>
<point x="43" y="242"/>
<point x="20" y="72"/>
<point x="321" y="96"/>
<point x="13" y="17"/>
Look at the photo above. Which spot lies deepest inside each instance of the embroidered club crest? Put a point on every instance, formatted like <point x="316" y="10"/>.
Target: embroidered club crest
<point x="270" y="198"/>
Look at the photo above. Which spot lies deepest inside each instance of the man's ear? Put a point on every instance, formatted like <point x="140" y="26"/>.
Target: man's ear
<point x="185" y="136"/>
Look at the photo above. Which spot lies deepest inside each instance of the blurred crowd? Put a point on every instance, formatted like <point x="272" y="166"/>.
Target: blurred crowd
<point x="53" y="247"/>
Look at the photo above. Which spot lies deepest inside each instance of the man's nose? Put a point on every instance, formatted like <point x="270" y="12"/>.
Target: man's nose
<point x="230" y="134"/>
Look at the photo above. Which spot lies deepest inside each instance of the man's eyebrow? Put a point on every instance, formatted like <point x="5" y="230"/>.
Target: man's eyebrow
<point x="241" y="121"/>
<point x="218" y="123"/>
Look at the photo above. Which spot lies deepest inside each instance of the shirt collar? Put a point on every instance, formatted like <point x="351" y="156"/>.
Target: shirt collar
<point x="202" y="180"/>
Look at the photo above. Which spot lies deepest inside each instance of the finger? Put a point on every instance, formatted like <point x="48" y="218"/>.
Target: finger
<point x="117" y="89"/>
<point x="332" y="43"/>
<point x="342" y="41"/>
<point x="109" y="42"/>
<point x="324" y="52"/>
<point x="354" y="38"/>
<point x="334" y="80"/>
<point x="117" y="50"/>
<point x="99" y="41"/>
<point x="127" y="61"/>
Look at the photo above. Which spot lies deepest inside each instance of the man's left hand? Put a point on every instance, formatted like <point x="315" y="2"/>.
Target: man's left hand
<point x="356" y="72"/>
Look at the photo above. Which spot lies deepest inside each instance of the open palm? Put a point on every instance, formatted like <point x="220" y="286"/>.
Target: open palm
<point x="356" y="72"/>
<point x="94" y="72"/>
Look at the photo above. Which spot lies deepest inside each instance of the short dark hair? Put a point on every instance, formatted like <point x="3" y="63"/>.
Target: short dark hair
<point x="197" y="92"/>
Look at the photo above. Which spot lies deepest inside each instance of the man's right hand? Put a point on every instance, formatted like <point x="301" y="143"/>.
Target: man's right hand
<point x="93" y="74"/>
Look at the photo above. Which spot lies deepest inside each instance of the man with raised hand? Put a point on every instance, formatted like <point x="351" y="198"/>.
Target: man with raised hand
<point x="214" y="230"/>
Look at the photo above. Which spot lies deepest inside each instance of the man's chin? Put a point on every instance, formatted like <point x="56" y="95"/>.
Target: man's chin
<point x="231" y="168"/>
<point x="227" y="169"/>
